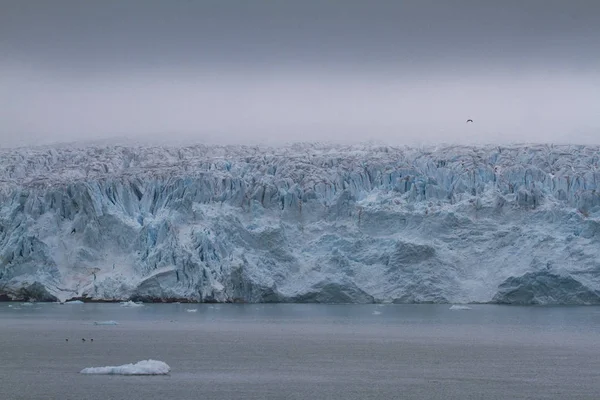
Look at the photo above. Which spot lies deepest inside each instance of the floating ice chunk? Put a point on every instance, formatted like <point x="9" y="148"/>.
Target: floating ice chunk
<point x="27" y="304"/>
<point x="191" y="310"/>
<point x="376" y="312"/>
<point x="131" y="304"/>
<point x="106" y="323"/>
<point x="457" y="307"/>
<point x="145" y="367"/>
<point x="74" y="302"/>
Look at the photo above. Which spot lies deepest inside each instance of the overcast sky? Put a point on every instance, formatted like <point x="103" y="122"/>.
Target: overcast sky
<point x="273" y="71"/>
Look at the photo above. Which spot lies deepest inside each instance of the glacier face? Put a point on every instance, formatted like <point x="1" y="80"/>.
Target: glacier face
<point x="302" y="223"/>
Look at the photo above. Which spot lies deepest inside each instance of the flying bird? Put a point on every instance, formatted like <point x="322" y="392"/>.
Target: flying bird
<point x="469" y="120"/>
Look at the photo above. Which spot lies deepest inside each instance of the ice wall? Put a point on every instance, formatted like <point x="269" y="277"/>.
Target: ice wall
<point x="303" y="223"/>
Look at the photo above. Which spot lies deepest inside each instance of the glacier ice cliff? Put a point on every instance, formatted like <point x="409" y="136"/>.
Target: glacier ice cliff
<point x="513" y="224"/>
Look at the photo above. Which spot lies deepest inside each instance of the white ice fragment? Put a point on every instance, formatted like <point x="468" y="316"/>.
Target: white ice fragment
<point x="458" y="307"/>
<point x="27" y="304"/>
<point x="376" y="312"/>
<point x="74" y="302"/>
<point x="191" y="310"/>
<point x="145" y="367"/>
<point x="131" y="304"/>
<point x="106" y="323"/>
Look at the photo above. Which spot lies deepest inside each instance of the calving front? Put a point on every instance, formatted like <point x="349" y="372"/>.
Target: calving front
<point x="304" y="223"/>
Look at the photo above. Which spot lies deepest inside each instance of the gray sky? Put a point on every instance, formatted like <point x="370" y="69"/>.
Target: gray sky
<point x="279" y="71"/>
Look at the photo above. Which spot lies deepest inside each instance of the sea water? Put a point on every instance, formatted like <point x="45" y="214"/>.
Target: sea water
<point x="295" y="351"/>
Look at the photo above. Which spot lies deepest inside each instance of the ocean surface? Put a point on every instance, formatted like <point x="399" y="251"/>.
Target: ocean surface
<point x="296" y="351"/>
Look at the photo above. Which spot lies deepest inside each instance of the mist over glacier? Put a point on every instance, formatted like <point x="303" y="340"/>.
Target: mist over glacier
<point x="515" y="224"/>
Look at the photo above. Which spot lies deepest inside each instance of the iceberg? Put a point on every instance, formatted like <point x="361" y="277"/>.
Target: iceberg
<point x="145" y="367"/>
<point x="106" y="323"/>
<point x="515" y="224"/>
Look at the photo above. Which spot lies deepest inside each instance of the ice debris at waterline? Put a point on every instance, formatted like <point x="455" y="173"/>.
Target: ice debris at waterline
<point x="74" y="302"/>
<point x="106" y="323"/>
<point x="145" y="367"/>
<point x="191" y="310"/>
<point x="131" y="304"/>
<point x="303" y="223"/>
<point x="459" y="307"/>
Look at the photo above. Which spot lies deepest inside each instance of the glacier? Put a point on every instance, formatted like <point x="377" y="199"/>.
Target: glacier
<point x="307" y="222"/>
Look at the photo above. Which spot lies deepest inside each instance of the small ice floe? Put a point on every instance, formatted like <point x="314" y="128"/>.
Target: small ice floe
<point x="459" y="307"/>
<point x="131" y="304"/>
<point x="376" y="312"/>
<point x="74" y="302"/>
<point x="145" y="367"/>
<point x="191" y="310"/>
<point x="27" y="304"/>
<point x="106" y="323"/>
